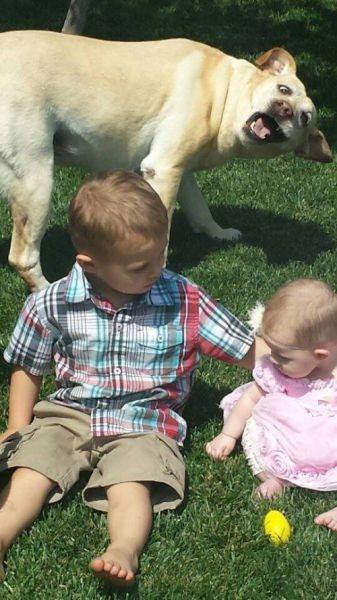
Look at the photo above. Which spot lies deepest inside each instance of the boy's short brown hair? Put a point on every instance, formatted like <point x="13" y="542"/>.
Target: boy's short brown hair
<point x="111" y="206"/>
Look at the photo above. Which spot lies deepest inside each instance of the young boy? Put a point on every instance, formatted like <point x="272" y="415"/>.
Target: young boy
<point x="125" y="337"/>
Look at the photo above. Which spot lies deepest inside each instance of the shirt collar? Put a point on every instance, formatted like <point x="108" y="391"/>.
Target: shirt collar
<point x="78" y="289"/>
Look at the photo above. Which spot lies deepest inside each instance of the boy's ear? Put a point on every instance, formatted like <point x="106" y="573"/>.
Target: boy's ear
<point x="85" y="262"/>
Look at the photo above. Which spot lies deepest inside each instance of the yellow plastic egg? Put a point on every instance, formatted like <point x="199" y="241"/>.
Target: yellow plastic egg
<point x="277" y="527"/>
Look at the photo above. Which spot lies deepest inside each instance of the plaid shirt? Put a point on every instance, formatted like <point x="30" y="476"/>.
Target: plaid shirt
<point x="131" y="368"/>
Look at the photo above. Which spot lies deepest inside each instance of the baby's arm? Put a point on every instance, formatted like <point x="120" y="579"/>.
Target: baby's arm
<point x="223" y="444"/>
<point x="23" y="394"/>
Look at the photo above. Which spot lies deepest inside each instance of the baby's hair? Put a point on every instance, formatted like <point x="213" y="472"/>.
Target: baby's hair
<point x="112" y="206"/>
<point x="305" y="307"/>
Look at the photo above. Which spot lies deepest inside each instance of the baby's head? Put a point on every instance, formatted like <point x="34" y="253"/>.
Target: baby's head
<point x="118" y="226"/>
<point x="300" y="326"/>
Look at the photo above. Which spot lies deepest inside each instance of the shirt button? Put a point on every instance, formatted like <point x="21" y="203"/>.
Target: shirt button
<point x="117" y="371"/>
<point x="160" y="338"/>
<point x="119" y="326"/>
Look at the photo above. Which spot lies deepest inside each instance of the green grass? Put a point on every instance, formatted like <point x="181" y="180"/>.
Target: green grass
<point x="213" y="548"/>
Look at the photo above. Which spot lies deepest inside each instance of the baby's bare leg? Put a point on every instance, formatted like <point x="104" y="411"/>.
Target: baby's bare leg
<point x="21" y="502"/>
<point x="129" y="524"/>
<point x="271" y="486"/>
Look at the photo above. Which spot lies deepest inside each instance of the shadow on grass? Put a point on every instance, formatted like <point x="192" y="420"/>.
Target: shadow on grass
<point x="282" y="238"/>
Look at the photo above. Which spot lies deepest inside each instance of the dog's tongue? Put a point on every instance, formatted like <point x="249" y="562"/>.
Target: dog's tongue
<point x="261" y="128"/>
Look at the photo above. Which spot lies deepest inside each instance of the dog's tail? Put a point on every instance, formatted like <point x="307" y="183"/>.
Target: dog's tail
<point x="76" y="17"/>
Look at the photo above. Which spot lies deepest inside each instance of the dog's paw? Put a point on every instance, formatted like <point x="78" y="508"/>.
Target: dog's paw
<point x="228" y="235"/>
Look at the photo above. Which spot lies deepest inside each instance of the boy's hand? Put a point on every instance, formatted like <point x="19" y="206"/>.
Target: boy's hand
<point x="221" y="446"/>
<point x="6" y="434"/>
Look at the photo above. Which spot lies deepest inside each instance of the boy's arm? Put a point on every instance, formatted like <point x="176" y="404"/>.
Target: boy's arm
<point x="225" y="337"/>
<point x="30" y="352"/>
<point x="223" y="444"/>
<point x="23" y="394"/>
<point x="257" y="349"/>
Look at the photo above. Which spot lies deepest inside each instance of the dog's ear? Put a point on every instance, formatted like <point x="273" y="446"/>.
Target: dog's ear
<point x="315" y="148"/>
<point x="276" y="61"/>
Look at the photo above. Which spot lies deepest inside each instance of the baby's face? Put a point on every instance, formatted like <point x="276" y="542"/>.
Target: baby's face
<point x="291" y="361"/>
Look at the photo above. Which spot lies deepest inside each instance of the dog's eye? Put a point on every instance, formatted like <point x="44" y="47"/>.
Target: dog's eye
<point x="284" y="89"/>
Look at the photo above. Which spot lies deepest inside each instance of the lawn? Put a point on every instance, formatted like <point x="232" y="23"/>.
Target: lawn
<point x="214" y="547"/>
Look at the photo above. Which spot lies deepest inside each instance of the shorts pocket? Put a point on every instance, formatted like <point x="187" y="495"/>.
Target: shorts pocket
<point x="11" y="444"/>
<point x="172" y="461"/>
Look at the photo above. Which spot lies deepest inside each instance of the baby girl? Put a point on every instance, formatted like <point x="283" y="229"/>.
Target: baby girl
<point x="288" y="416"/>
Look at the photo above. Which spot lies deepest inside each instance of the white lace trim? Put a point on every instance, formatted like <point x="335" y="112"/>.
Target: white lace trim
<point x="251" y="447"/>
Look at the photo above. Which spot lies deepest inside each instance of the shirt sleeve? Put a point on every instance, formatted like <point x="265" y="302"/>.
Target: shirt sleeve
<point x="31" y="343"/>
<point x="221" y="335"/>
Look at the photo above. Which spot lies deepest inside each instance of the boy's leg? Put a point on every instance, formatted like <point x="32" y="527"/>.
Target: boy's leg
<point x="129" y="523"/>
<point x="21" y="502"/>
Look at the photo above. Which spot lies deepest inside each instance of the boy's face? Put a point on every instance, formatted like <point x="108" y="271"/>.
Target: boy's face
<point x="133" y="268"/>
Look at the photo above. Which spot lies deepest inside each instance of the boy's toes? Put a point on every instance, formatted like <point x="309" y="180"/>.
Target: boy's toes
<point x="118" y="571"/>
<point x="97" y="565"/>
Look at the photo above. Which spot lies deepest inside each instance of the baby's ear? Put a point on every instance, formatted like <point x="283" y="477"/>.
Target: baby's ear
<point x="321" y="353"/>
<point x="255" y="317"/>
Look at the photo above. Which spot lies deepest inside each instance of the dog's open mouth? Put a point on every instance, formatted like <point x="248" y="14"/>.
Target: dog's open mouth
<point x="263" y="128"/>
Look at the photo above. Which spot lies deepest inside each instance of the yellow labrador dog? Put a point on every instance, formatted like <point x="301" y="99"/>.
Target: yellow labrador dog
<point x="167" y="108"/>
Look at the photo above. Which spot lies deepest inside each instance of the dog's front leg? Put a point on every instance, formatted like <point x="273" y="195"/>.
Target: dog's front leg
<point x="165" y="180"/>
<point x="197" y="212"/>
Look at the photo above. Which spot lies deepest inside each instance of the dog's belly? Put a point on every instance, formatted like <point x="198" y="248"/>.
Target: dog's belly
<point x="100" y="153"/>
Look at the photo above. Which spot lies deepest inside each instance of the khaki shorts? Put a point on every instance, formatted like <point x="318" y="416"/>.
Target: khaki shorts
<point x="59" y="444"/>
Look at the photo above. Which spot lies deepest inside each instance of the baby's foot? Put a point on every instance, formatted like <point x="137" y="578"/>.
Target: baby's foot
<point x="269" y="488"/>
<point x="116" y="565"/>
<point x="328" y="519"/>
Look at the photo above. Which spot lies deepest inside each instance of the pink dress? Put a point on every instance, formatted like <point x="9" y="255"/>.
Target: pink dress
<point x="292" y="432"/>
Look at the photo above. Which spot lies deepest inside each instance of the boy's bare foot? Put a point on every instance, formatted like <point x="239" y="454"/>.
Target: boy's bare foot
<point x="116" y="565"/>
<point x="328" y="519"/>
<point x="269" y="488"/>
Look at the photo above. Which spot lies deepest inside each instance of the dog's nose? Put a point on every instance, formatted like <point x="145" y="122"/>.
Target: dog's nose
<point x="283" y="109"/>
<point x="305" y="117"/>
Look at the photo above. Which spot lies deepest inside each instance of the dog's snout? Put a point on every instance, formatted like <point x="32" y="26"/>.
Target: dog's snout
<point x="283" y="109"/>
<point x="306" y="116"/>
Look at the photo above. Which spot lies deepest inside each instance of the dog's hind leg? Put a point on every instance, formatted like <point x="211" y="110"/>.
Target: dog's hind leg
<point x="29" y="199"/>
<point x="197" y="212"/>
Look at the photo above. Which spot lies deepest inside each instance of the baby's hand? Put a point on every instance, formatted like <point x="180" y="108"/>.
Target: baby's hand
<point x="220" y="447"/>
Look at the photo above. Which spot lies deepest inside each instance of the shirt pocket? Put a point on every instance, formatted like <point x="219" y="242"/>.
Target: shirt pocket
<point x="159" y="349"/>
